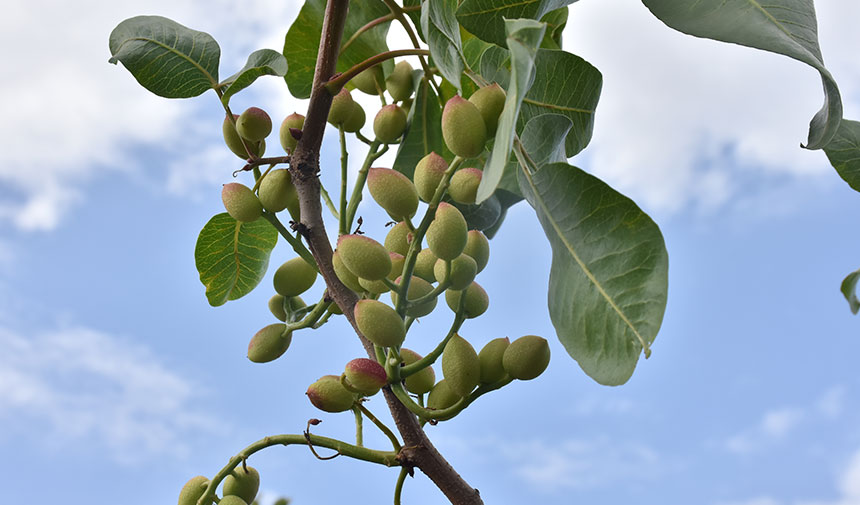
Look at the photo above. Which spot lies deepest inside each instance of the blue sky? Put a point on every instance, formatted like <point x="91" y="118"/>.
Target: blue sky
<point x="118" y="382"/>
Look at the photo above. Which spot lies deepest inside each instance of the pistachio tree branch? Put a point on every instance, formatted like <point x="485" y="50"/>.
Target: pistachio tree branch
<point x="336" y="83"/>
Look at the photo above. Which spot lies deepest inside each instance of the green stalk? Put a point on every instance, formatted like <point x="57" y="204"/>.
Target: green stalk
<point x="295" y="242"/>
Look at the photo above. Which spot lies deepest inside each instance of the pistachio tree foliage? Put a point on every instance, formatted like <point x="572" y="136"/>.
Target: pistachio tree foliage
<point x="489" y="118"/>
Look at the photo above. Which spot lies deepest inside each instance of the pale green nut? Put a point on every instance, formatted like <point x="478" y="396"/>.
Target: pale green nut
<point x="232" y="500"/>
<point x="294" y="277"/>
<point x="490" y="357"/>
<point x="399" y="82"/>
<point x="418" y="288"/>
<point x="356" y="119"/>
<point x="242" y="482"/>
<point x="379" y="323"/>
<point x="277" y="308"/>
<point x="420" y="382"/>
<point x="364" y="257"/>
<point x="254" y="124"/>
<point x="424" y="265"/>
<point x="526" y="357"/>
<point x="393" y="191"/>
<point x="447" y="233"/>
<point x="241" y="202"/>
<point x="329" y="395"/>
<point x="378" y="287"/>
<point x="460" y="274"/>
<point x="442" y="396"/>
<point x="343" y="273"/>
<point x="370" y="80"/>
<point x="398" y="238"/>
<point x="475" y="303"/>
<point x="428" y="174"/>
<point x="478" y="247"/>
<point x="464" y="185"/>
<point x="460" y="366"/>
<point x="193" y="490"/>
<point x="341" y="107"/>
<point x="463" y="128"/>
<point x="234" y="141"/>
<point x="277" y="191"/>
<point x="490" y="101"/>
<point x="365" y="375"/>
<point x="295" y="121"/>
<point x="389" y="123"/>
<point x="269" y="344"/>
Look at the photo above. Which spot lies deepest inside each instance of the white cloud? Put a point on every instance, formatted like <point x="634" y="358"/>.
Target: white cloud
<point x="774" y="426"/>
<point x="80" y="384"/>
<point x="832" y="402"/>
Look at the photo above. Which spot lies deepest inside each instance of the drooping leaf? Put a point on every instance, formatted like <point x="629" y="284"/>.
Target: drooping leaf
<point x="555" y="22"/>
<point x="609" y="275"/>
<point x="232" y="257"/>
<point x="496" y="65"/>
<point x="524" y="37"/>
<point x="543" y="140"/>
<point x="849" y="290"/>
<point x="303" y="40"/>
<point x="440" y="27"/>
<point x="168" y="59"/>
<point x="844" y="152"/>
<point x="481" y="216"/>
<point x="486" y="18"/>
<point x="785" y="27"/>
<point x="424" y="130"/>
<point x="260" y="63"/>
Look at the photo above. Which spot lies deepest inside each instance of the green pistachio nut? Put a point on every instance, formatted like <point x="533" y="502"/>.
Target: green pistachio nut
<point x="389" y="123"/>
<point x="490" y="100"/>
<point x="428" y="174"/>
<point x="379" y="323"/>
<point x="193" y="490"/>
<point x="460" y="366"/>
<point x="234" y="141"/>
<point x="329" y="395"/>
<point x="460" y="273"/>
<point x="393" y="191"/>
<point x="343" y="273"/>
<point x="442" y="397"/>
<point x="418" y="288"/>
<point x="366" y="376"/>
<point x="295" y="121"/>
<point x="243" y="482"/>
<point x="464" y="185"/>
<point x="232" y="500"/>
<point x="420" y="382"/>
<point x="356" y="119"/>
<point x="294" y="277"/>
<point x="526" y="357"/>
<point x="269" y="344"/>
<point x="475" y="303"/>
<point x="277" y="191"/>
<point x="370" y="80"/>
<point x="447" y="234"/>
<point x="364" y="257"/>
<point x="277" y="308"/>
<point x="254" y="124"/>
<point x="490" y="357"/>
<point x="424" y="265"/>
<point x="398" y="238"/>
<point x="378" y="287"/>
<point x="463" y="127"/>
<point x="478" y="247"/>
<point x="399" y="83"/>
<point x="241" y="202"/>
<point x="341" y="107"/>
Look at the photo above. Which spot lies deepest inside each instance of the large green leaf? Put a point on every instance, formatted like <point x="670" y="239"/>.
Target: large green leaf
<point x="303" y="39"/>
<point x="424" y="130"/>
<point x="524" y="37"/>
<point x="232" y="257"/>
<point x="260" y="63"/>
<point x="844" y="152"/>
<point x="486" y="18"/>
<point x="543" y="140"/>
<point x="440" y="27"/>
<point x="849" y="290"/>
<point x="609" y="275"/>
<point x="785" y="27"/>
<point x="165" y="57"/>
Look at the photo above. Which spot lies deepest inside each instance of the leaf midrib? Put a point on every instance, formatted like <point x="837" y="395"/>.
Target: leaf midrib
<point x="173" y="50"/>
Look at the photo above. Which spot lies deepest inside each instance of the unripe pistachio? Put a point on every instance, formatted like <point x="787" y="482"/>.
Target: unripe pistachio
<point x="399" y="82"/>
<point x="463" y="127"/>
<point x="420" y="382"/>
<point x="241" y="202"/>
<point x="242" y="483"/>
<point x="232" y="500"/>
<point x="379" y="323"/>
<point x="364" y="257"/>
<point x="476" y="300"/>
<point x="369" y="80"/>
<point x="343" y="273"/>
<point x="281" y="501"/>
<point x="526" y="357"/>
<point x="356" y="119"/>
<point x="464" y="185"/>
<point x="442" y="397"/>
<point x="254" y="124"/>
<point x="277" y="190"/>
<point x="234" y="141"/>
<point x="389" y="123"/>
<point x="447" y="234"/>
<point x="490" y="100"/>
<point x="393" y="191"/>
<point x="269" y="344"/>
<point x="460" y="366"/>
<point x="379" y="286"/>
<point x="460" y="274"/>
<point x="288" y="141"/>
<point x="294" y="277"/>
<point x="398" y="238"/>
<point x="341" y="107"/>
<point x="418" y="288"/>
<point x="491" y="360"/>
<point x="329" y="395"/>
<point x="276" y="305"/>
<point x="478" y="247"/>
<point x="428" y="174"/>
<point x="366" y="376"/>
<point x="193" y="490"/>
<point x="424" y="264"/>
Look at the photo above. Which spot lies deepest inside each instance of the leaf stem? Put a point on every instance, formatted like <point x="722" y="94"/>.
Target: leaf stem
<point x="295" y="242"/>
<point x="379" y="424"/>
<point x="398" y="486"/>
<point x="407" y="26"/>
<point x="344" y="157"/>
<point x="431" y="357"/>
<point x="355" y="199"/>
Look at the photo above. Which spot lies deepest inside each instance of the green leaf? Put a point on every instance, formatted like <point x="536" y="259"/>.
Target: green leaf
<point x="415" y="16"/>
<point x="260" y="63"/>
<point x="849" y="289"/>
<point x="168" y="59"/>
<point x="785" y="27"/>
<point x="609" y="274"/>
<point x="480" y="216"/>
<point x="486" y="18"/>
<point x="555" y="22"/>
<point x="424" y="130"/>
<point x="303" y="40"/>
<point x="439" y="25"/>
<point x="543" y="140"/>
<point x="232" y="257"/>
<point x="844" y="152"/>
<point x="524" y="37"/>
